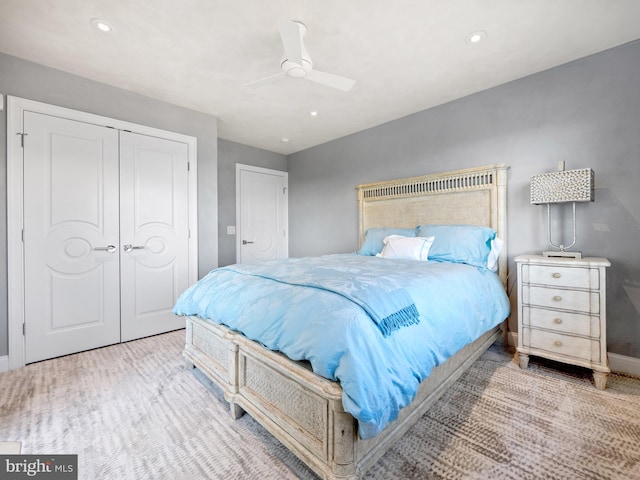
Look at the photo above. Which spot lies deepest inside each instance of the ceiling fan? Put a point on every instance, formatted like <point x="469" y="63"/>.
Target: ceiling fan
<point x="296" y="62"/>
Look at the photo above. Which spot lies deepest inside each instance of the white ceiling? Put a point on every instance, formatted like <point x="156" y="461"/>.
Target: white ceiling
<point x="405" y="55"/>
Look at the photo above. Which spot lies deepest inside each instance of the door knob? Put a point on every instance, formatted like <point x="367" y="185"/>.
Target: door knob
<point x="108" y="248"/>
<point x="129" y="247"/>
<point x="244" y="242"/>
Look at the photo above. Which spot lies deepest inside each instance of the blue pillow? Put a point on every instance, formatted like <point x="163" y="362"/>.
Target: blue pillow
<point x="468" y="244"/>
<point x="373" y="238"/>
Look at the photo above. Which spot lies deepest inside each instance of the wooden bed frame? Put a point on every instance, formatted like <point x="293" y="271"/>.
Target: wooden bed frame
<point x="303" y="410"/>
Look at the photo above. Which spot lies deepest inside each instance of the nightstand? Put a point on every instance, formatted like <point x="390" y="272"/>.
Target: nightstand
<point x="562" y="312"/>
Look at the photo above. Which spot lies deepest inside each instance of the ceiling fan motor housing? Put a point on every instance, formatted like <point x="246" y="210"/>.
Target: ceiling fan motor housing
<point x="296" y="70"/>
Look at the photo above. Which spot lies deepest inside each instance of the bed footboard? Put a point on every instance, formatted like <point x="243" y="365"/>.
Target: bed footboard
<point x="211" y="349"/>
<point x="301" y="409"/>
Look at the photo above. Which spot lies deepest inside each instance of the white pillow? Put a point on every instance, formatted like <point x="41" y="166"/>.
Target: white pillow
<point x="407" y="248"/>
<point x="492" y="259"/>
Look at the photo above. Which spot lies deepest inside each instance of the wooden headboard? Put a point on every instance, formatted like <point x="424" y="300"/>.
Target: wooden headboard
<point x="472" y="196"/>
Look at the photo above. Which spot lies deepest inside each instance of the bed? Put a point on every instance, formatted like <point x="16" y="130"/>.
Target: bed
<point x="305" y="410"/>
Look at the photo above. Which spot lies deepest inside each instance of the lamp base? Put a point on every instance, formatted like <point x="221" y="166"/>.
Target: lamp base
<point x="563" y="254"/>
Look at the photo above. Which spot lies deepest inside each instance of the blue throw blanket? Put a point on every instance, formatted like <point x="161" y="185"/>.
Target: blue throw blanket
<point x="389" y="306"/>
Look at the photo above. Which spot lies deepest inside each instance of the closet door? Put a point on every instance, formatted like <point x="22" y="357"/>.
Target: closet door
<point x="154" y="233"/>
<point x="71" y="254"/>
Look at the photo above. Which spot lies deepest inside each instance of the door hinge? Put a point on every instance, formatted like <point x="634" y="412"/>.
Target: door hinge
<point x="22" y="135"/>
<point x="284" y="191"/>
<point x="24" y="329"/>
<point x="188" y="167"/>
<point x="22" y="235"/>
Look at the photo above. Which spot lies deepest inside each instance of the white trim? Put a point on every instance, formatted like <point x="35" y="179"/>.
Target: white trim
<point x="15" y="267"/>
<point x="15" y="109"/>
<point x="623" y="364"/>
<point x="1" y="102"/>
<point x="4" y="363"/>
<point x="266" y="171"/>
<point x="56" y="111"/>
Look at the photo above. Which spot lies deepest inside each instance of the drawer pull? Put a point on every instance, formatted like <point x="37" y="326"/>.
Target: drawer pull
<point x="557" y="343"/>
<point x="557" y="298"/>
<point x="557" y="321"/>
<point x="556" y="275"/>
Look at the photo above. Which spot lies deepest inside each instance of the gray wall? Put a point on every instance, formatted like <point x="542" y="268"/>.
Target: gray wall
<point x="36" y="82"/>
<point x="229" y="154"/>
<point x="586" y="113"/>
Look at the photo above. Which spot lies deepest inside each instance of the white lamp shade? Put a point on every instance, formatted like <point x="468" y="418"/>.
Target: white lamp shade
<point x="563" y="186"/>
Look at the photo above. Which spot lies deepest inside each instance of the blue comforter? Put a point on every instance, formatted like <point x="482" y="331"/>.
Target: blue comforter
<point x="313" y="314"/>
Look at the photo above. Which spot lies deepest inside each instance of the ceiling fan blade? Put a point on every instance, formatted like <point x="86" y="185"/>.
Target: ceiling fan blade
<point x="264" y="80"/>
<point x="330" y="80"/>
<point x="291" y="34"/>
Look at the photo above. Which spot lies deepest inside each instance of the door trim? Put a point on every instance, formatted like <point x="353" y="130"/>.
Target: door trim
<point x="267" y="171"/>
<point x="15" y="185"/>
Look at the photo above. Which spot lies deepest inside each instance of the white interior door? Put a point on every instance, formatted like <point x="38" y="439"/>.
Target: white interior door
<point x="262" y="214"/>
<point x="154" y="233"/>
<point x="71" y="261"/>
<point x="65" y="258"/>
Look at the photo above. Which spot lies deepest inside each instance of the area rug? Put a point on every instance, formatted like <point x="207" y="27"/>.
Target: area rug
<point x="133" y="411"/>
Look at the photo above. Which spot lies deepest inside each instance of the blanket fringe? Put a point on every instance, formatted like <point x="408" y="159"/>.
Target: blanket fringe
<point x="402" y="318"/>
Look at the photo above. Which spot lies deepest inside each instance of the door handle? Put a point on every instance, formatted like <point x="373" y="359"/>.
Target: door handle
<point x="109" y="248"/>
<point x="129" y="247"/>
<point x="244" y="242"/>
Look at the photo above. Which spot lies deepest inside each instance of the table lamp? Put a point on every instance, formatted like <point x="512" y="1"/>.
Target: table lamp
<point x="561" y="187"/>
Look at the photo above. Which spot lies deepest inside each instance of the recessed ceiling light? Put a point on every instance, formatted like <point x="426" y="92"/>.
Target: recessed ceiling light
<point x="476" y="37"/>
<point x="313" y="113"/>
<point x="284" y="140"/>
<point x="102" y="25"/>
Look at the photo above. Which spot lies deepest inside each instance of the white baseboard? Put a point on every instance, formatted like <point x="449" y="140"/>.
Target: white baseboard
<point x="624" y="364"/>
<point x="4" y="363"/>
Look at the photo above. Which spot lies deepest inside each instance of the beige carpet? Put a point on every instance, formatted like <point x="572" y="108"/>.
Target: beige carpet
<point x="132" y="411"/>
<point x="9" y="448"/>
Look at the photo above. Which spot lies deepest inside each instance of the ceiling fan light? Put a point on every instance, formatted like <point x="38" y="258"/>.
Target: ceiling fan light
<point x="297" y="72"/>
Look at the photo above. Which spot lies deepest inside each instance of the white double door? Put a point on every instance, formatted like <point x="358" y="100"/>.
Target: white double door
<point x="106" y="235"/>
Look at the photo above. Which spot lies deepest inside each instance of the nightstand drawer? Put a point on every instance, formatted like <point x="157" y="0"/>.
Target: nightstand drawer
<point x="577" y="300"/>
<point x="559" y="344"/>
<point x="561" y="276"/>
<point x="566" y="322"/>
